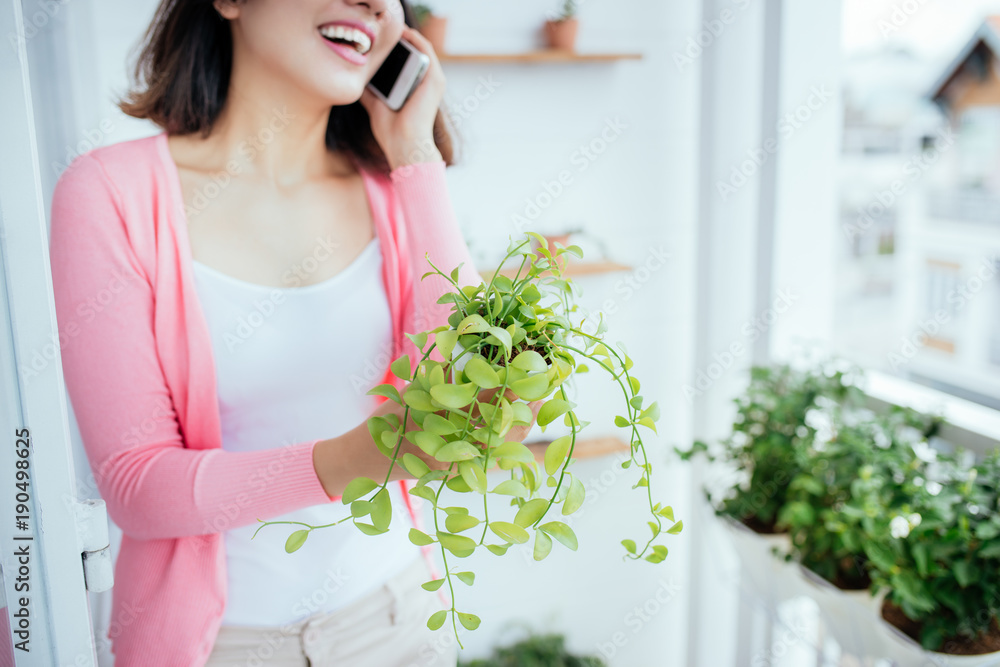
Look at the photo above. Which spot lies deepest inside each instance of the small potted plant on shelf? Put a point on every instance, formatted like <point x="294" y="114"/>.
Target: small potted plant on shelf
<point x="561" y="30"/>
<point x="939" y="560"/>
<point x="507" y="342"/>
<point x="430" y="25"/>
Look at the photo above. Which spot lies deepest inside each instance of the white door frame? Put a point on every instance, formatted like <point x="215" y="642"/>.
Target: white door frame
<point x="32" y="396"/>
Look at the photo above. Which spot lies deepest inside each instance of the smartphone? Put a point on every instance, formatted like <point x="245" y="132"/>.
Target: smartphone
<point x="399" y="75"/>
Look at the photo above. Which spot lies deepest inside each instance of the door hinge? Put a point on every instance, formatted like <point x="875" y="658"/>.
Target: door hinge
<point x="94" y="543"/>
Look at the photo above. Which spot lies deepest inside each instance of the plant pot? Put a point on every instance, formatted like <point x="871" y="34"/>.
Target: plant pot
<point x="435" y="29"/>
<point x="903" y="651"/>
<point x="561" y="35"/>
<point x="765" y="574"/>
<point x="849" y="615"/>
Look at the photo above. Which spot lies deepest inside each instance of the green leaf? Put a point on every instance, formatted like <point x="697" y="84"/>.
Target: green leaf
<point x="511" y="487"/>
<point x="415" y="466"/>
<point x="667" y="512"/>
<point x="458" y="484"/>
<point x="473" y="324"/>
<point x="381" y="509"/>
<point x="428" y="442"/>
<point x="634" y="384"/>
<point x="503" y="337"/>
<point x="621" y="421"/>
<point x="467" y="578"/>
<point x="437" y="619"/>
<point x="498" y="549"/>
<point x="438" y="425"/>
<point x="513" y="451"/>
<point x="419" y="339"/>
<point x="575" y="497"/>
<point x="401" y="367"/>
<point x="296" y="540"/>
<point x="479" y="371"/>
<point x="676" y="528"/>
<point x="522" y="413"/>
<point x="469" y="621"/>
<point x="561" y="532"/>
<point x="552" y="410"/>
<point x="420" y="538"/>
<point x="460" y="450"/>
<point x="531" y="388"/>
<point x="460" y="545"/>
<point x="432" y="585"/>
<point x="556" y="453"/>
<point x="509" y="531"/>
<point x="653" y="411"/>
<point x="419" y="400"/>
<point x="454" y="396"/>
<point x="543" y="545"/>
<point x="530" y="512"/>
<point x="445" y="342"/>
<point x="456" y="523"/>
<point x="424" y="492"/>
<point x="629" y="546"/>
<point x="388" y="391"/>
<point x="356" y="488"/>
<point x="360" y="508"/>
<point x="473" y="475"/>
<point x="369" y="529"/>
<point x="963" y="572"/>
<point x="648" y="423"/>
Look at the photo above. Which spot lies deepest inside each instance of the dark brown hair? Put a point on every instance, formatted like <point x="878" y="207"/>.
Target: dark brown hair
<point x="181" y="80"/>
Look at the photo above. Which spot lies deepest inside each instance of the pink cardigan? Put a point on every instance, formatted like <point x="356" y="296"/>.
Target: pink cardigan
<point x="139" y="372"/>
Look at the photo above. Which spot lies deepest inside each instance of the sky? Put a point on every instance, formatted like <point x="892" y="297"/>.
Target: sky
<point x="936" y="29"/>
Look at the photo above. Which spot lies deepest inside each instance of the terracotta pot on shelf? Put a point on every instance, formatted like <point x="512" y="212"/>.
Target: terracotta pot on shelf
<point x="561" y="35"/>
<point x="435" y="29"/>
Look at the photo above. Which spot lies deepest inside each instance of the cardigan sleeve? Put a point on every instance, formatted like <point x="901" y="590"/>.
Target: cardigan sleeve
<point x="431" y="231"/>
<point x="154" y="486"/>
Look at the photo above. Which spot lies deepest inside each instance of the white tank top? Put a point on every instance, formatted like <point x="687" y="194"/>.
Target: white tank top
<point x="294" y="364"/>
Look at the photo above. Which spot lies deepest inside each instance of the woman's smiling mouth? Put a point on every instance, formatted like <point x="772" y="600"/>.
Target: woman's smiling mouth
<point x="349" y="39"/>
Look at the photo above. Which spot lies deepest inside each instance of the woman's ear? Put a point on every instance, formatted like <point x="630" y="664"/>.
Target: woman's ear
<point x="228" y="9"/>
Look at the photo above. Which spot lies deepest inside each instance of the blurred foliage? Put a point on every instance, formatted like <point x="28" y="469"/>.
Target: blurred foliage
<point x="536" y="651"/>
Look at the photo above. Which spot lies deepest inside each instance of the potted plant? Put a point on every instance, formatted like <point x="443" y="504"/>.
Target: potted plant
<point x="939" y="560"/>
<point x="507" y="343"/>
<point x="774" y="426"/>
<point x="561" y="31"/>
<point x="430" y="25"/>
<point x="865" y="467"/>
<point x="536" y="651"/>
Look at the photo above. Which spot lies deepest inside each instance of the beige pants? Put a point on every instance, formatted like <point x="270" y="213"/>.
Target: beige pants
<point x="387" y="628"/>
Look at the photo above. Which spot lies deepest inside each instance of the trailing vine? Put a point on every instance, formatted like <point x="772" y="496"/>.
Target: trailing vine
<point x="512" y="335"/>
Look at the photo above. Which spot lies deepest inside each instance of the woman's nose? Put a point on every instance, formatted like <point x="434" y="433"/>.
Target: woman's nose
<point x="376" y="7"/>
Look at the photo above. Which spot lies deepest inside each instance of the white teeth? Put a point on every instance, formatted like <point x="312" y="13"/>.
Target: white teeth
<point x="362" y="43"/>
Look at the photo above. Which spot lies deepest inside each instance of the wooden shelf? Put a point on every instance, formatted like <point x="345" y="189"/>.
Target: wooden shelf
<point x="585" y="448"/>
<point x="537" y="57"/>
<point x="572" y="269"/>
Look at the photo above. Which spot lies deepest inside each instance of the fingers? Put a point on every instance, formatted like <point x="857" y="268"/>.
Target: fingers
<point x="414" y="37"/>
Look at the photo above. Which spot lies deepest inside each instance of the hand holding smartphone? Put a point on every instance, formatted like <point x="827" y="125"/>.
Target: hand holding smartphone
<point x="399" y="75"/>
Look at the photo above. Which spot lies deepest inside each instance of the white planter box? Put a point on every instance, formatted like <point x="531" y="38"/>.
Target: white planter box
<point x="765" y="573"/>
<point x="905" y="652"/>
<point x="849" y="616"/>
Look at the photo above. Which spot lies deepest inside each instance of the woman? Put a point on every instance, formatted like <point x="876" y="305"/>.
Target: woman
<point x="235" y="285"/>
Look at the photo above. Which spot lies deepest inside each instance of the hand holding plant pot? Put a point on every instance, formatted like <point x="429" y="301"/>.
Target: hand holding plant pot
<point x="504" y="359"/>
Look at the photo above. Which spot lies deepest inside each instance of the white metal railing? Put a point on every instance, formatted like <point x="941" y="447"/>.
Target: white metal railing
<point x="968" y="425"/>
